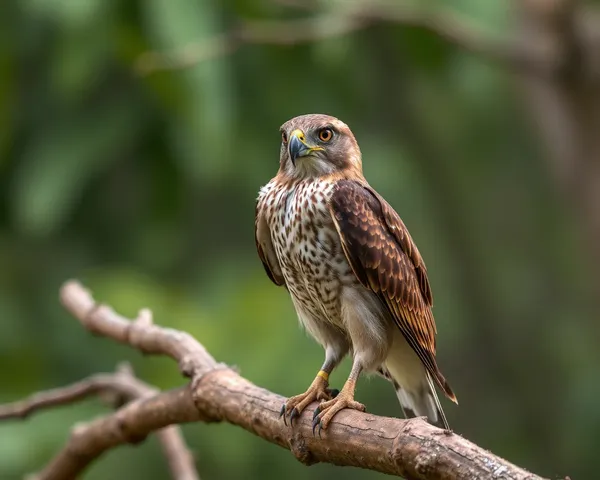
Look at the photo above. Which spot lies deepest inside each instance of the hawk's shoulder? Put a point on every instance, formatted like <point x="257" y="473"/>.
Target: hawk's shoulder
<point x="362" y="204"/>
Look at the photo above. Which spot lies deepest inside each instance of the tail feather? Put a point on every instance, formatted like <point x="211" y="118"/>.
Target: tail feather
<point x="424" y="403"/>
<point x="443" y="384"/>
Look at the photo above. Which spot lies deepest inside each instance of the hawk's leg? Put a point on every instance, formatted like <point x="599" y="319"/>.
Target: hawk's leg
<point x="317" y="391"/>
<point x="345" y="399"/>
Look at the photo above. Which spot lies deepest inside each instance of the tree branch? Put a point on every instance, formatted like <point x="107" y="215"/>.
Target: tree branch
<point x="115" y="389"/>
<point x="359" y="15"/>
<point x="410" y="448"/>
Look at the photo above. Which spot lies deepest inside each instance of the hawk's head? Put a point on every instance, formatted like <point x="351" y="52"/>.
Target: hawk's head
<point x="316" y="145"/>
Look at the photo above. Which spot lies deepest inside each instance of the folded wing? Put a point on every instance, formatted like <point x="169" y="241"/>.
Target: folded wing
<point x="386" y="260"/>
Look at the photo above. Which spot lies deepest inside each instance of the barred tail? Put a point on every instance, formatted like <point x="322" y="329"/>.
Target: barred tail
<point x="422" y="403"/>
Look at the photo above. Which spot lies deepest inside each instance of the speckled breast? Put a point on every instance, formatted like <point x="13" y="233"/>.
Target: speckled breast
<point x="308" y="247"/>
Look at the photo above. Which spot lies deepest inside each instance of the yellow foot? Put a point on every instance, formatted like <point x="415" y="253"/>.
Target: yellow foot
<point x="327" y="410"/>
<point x="295" y="405"/>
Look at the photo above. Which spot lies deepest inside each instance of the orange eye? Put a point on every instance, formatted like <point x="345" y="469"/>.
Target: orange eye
<point x="284" y="138"/>
<point x="325" y="134"/>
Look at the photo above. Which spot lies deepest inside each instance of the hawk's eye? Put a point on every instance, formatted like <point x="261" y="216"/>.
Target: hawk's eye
<point x="284" y="138"/>
<point x="325" y="134"/>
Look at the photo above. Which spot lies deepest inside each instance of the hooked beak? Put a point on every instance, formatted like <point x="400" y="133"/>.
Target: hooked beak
<point x="298" y="146"/>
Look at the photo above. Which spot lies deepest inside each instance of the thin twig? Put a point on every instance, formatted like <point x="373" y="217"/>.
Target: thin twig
<point x="94" y="385"/>
<point x="193" y="359"/>
<point x="122" y="386"/>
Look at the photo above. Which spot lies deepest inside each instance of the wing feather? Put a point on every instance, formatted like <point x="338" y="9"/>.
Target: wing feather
<point x="264" y="244"/>
<point x="385" y="259"/>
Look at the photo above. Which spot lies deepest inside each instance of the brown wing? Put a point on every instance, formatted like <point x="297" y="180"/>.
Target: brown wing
<point x="264" y="245"/>
<point x="386" y="260"/>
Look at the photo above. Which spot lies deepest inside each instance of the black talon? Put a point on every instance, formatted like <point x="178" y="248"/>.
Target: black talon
<point x="316" y="412"/>
<point x="295" y="414"/>
<point x="282" y="414"/>
<point x="316" y="422"/>
<point x="320" y="428"/>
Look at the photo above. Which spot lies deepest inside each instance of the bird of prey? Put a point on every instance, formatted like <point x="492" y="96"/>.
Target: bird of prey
<point x="356" y="278"/>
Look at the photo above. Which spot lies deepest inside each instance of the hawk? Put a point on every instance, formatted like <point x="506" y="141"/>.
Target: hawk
<point x="355" y="276"/>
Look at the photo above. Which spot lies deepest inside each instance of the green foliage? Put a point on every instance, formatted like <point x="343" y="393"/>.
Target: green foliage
<point x="59" y="165"/>
<point x="144" y="188"/>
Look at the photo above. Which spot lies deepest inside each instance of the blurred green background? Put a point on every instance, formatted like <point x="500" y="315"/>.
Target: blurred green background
<point x="143" y="187"/>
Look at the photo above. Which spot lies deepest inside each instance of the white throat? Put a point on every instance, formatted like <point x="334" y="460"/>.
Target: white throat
<point x="309" y="167"/>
